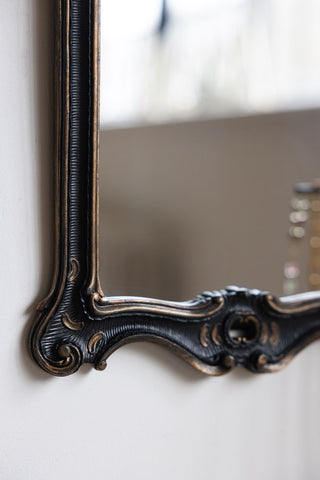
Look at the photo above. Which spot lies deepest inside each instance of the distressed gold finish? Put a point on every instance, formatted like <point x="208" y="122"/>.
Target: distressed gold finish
<point x="229" y="361"/>
<point x="93" y="342"/>
<point x="213" y="370"/>
<point x="204" y="335"/>
<point x="74" y="270"/>
<point x="70" y="324"/>
<point x="202" y="306"/>
<point x="261" y="362"/>
<point x="215" y="336"/>
<point x="293" y="304"/>
<point x="284" y="360"/>
<point x="94" y="286"/>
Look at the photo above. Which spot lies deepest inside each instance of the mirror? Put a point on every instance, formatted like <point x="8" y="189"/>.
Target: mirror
<point x="209" y="117"/>
<point x="194" y="192"/>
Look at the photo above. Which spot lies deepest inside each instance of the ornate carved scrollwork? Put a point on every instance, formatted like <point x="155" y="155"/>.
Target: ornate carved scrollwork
<point x="77" y="324"/>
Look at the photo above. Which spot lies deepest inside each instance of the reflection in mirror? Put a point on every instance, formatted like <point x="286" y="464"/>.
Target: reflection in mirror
<point x="302" y="268"/>
<point x="209" y="118"/>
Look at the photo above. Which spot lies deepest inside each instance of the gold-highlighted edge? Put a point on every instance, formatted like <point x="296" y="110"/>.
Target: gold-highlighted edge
<point x="285" y="359"/>
<point x="213" y="370"/>
<point x="71" y="324"/>
<point x="70" y="355"/>
<point x="291" y="304"/>
<point x="93" y="342"/>
<point x="74" y="270"/>
<point x="204" y="335"/>
<point x="204" y="305"/>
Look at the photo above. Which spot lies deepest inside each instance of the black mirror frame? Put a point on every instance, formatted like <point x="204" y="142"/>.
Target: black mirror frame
<point x="76" y="323"/>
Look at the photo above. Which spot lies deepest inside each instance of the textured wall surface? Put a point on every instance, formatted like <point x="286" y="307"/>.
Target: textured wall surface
<point x="148" y="415"/>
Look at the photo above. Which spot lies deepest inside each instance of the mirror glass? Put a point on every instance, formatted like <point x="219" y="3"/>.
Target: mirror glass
<point x="210" y="115"/>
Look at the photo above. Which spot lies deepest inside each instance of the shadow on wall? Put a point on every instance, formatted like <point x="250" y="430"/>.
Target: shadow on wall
<point x="42" y="33"/>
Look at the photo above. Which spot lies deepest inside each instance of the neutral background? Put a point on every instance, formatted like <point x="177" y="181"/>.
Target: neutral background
<point x="148" y="416"/>
<point x="200" y="205"/>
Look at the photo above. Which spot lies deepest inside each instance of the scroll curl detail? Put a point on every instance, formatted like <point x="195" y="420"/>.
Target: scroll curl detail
<point x="74" y="270"/>
<point x="94" y="341"/>
<point x="71" y="359"/>
<point x="71" y="324"/>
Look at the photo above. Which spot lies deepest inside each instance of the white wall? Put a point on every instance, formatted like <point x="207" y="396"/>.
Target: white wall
<point x="148" y="416"/>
